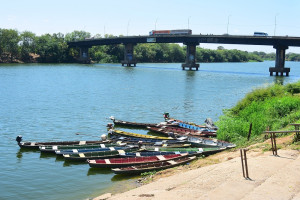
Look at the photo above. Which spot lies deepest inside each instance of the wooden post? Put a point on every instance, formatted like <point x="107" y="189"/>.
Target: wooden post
<point x="244" y="163"/>
<point x="297" y="133"/>
<point x="250" y="129"/>
<point x="273" y="141"/>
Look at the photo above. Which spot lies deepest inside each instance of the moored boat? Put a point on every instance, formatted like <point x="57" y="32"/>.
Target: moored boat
<point x="196" y="151"/>
<point x="200" y="142"/>
<point x="166" y="130"/>
<point x="97" y="155"/>
<point x="138" y="169"/>
<point x="131" y="161"/>
<point x="124" y="133"/>
<point x="131" y="124"/>
<point x="78" y="151"/>
<point x="152" y="153"/>
<point x="52" y="148"/>
<point x="36" y="145"/>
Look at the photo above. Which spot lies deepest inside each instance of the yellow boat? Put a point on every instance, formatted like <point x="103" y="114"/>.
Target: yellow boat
<point x="128" y="134"/>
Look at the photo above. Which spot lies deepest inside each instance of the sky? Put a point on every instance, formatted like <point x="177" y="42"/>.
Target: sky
<point x="138" y="17"/>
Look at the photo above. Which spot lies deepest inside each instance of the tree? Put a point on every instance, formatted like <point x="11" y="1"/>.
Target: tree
<point x="9" y="40"/>
<point x="76" y="36"/>
<point x="27" y="45"/>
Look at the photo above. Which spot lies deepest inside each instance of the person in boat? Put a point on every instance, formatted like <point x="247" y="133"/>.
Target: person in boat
<point x="140" y="143"/>
<point x="171" y="134"/>
<point x="110" y="133"/>
<point x="166" y="116"/>
<point x="19" y="139"/>
<point x="109" y="126"/>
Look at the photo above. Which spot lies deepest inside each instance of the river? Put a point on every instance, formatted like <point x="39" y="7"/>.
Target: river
<point x="56" y="102"/>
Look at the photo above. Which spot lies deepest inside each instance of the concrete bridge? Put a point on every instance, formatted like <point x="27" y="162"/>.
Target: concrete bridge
<point x="279" y="43"/>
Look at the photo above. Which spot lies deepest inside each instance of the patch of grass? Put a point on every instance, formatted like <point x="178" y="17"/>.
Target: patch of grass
<point x="275" y="107"/>
<point x="295" y="146"/>
<point x="148" y="173"/>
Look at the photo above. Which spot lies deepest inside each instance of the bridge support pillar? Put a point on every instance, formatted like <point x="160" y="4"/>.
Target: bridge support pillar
<point x="279" y="62"/>
<point x="128" y="55"/>
<point x="190" y="60"/>
<point x="84" y="55"/>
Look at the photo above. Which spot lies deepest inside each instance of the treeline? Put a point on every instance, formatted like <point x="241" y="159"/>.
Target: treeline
<point x="272" y="56"/>
<point x="28" y="47"/>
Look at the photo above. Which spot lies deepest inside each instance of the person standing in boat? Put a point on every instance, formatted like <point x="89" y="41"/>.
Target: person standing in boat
<point x="166" y="116"/>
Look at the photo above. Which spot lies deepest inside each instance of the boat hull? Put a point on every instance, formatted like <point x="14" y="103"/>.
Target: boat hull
<point x="131" y="161"/>
<point x="138" y="169"/>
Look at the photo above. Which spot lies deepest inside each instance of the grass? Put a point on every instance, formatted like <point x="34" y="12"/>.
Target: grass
<point x="273" y="107"/>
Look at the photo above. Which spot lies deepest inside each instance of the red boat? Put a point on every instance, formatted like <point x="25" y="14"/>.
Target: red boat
<point x="131" y="161"/>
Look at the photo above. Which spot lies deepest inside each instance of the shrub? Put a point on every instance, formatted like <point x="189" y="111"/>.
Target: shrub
<point x="275" y="107"/>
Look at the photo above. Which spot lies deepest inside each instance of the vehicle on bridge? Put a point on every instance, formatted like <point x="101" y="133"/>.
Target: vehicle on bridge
<point x="171" y="32"/>
<point x="260" y="34"/>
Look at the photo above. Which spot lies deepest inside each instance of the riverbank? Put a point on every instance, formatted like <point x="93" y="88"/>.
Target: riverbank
<point x="220" y="177"/>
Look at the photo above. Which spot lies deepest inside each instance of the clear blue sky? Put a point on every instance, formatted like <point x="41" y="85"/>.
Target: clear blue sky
<point x="138" y="17"/>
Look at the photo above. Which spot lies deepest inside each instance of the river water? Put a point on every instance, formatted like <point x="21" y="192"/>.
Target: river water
<point x="56" y="102"/>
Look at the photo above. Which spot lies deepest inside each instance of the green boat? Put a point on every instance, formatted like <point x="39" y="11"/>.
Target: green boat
<point x="198" y="151"/>
<point x="97" y="155"/>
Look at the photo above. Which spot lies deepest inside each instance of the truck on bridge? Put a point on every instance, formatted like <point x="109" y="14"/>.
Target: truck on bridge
<point x="170" y="32"/>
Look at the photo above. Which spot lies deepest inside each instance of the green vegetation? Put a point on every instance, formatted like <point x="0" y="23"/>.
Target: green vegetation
<point x="272" y="56"/>
<point x="275" y="107"/>
<point x="28" y="47"/>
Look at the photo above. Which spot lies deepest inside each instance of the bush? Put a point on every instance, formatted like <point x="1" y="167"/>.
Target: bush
<point x="275" y="107"/>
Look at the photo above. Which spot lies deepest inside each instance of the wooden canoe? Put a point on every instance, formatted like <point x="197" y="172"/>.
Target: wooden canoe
<point x="152" y="153"/>
<point x="77" y="151"/>
<point x="200" y="142"/>
<point x="196" y="151"/>
<point x="131" y="161"/>
<point x="52" y="148"/>
<point x="123" y="133"/>
<point x="138" y="169"/>
<point x="36" y="145"/>
<point x="97" y="155"/>
<point x="131" y="124"/>
<point x="182" y="131"/>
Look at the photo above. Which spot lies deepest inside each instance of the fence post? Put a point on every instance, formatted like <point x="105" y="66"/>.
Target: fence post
<point x="244" y="163"/>
<point x="297" y="135"/>
<point x="273" y="141"/>
<point x="250" y="129"/>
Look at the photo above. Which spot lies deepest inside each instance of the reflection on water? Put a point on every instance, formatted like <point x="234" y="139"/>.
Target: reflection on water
<point x="47" y="155"/>
<point x="96" y="171"/>
<point x="19" y="154"/>
<point x="122" y="177"/>
<point x="279" y="80"/>
<point x="70" y="163"/>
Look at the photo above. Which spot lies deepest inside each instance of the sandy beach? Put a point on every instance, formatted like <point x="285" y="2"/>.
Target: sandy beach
<point x="271" y="177"/>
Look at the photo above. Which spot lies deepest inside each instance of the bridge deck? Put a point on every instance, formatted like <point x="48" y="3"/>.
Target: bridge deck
<point x="196" y="39"/>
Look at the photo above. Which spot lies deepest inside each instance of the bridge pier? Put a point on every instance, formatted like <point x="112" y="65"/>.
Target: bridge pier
<point x="84" y="55"/>
<point x="190" y="60"/>
<point x="128" y="55"/>
<point x="279" y="62"/>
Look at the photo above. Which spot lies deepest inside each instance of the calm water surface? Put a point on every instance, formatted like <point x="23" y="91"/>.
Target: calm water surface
<point x="73" y="102"/>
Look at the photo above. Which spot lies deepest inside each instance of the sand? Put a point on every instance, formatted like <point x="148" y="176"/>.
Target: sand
<point x="271" y="177"/>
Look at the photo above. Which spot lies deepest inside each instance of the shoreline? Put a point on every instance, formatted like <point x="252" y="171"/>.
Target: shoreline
<point x="219" y="175"/>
